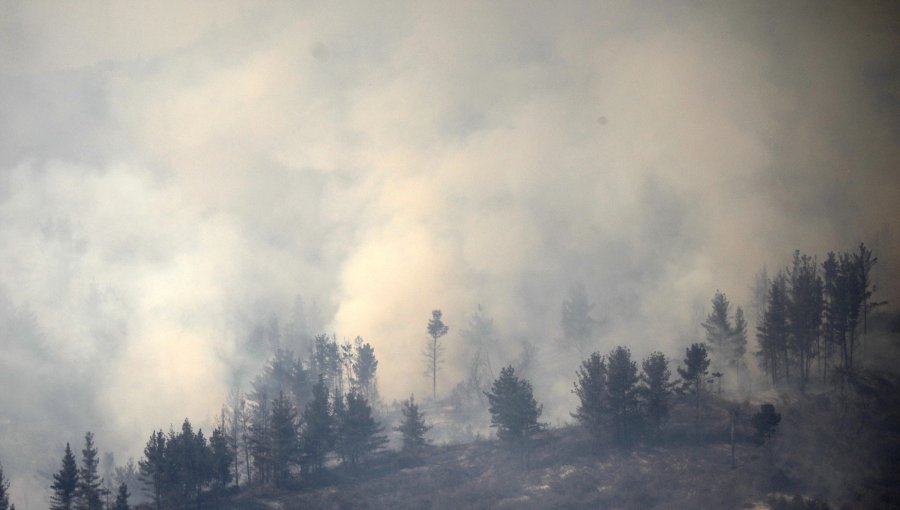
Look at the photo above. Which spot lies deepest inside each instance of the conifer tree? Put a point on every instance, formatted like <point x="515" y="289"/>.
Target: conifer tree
<point x="804" y="311"/>
<point x="590" y="387"/>
<point x="88" y="492"/>
<point x="696" y="368"/>
<point x="738" y="345"/>
<point x="576" y="321"/>
<point x="621" y="389"/>
<point x="413" y="427"/>
<point x="122" y="498"/>
<point x="65" y="483"/>
<point x="221" y="458"/>
<point x="4" y="491"/>
<point x="436" y="329"/>
<point x="153" y="467"/>
<point x="718" y="328"/>
<point x="317" y="435"/>
<point x="285" y="440"/>
<point x="358" y="433"/>
<point x="774" y="331"/>
<point x="656" y="389"/>
<point x="365" y="364"/>
<point x="514" y="411"/>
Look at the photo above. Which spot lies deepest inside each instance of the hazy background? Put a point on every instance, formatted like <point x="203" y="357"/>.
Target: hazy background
<point x="172" y="176"/>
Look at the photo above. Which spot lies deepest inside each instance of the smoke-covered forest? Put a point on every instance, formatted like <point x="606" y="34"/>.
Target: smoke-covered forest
<point x="433" y="255"/>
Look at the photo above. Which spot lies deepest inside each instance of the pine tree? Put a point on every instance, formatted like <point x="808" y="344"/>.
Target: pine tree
<point x="221" y="453"/>
<point x="122" y="498"/>
<point x="576" y="321"/>
<point x="738" y="345"/>
<point x="88" y="492"/>
<point x="413" y="427"/>
<point x="436" y="329"/>
<point x="260" y="444"/>
<point x="153" y="467"/>
<point x="65" y="483"/>
<point x="774" y="331"/>
<point x="804" y="311"/>
<point x="656" y="389"/>
<point x="285" y="439"/>
<point x="4" y="491"/>
<point x="317" y="436"/>
<point x="365" y="365"/>
<point x="590" y="387"/>
<point x="358" y="433"/>
<point x="514" y="412"/>
<point x="718" y="328"/>
<point x="696" y="368"/>
<point x="621" y="389"/>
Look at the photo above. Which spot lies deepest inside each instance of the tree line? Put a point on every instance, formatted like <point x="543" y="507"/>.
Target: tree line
<point x="299" y="413"/>
<point x="815" y="317"/>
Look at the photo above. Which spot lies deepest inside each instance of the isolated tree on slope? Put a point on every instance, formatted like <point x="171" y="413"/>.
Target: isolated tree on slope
<point x="590" y="387"/>
<point x="514" y="412"/>
<point x="413" y="427"/>
<point x="436" y="329"/>
<point x="65" y="483"/>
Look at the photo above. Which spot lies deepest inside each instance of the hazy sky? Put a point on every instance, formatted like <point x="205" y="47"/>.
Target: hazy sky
<point x="172" y="173"/>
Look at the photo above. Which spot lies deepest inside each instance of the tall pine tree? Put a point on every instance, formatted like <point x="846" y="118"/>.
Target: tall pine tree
<point x="89" y="482"/>
<point x="65" y="483"/>
<point x="590" y="387"/>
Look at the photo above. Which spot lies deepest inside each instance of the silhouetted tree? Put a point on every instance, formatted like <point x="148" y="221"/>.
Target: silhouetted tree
<point x="259" y="434"/>
<point x="804" y="311"/>
<point x="87" y="496"/>
<point x="436" y="329"/>
<point x="358" y="432"/>
<point x="4" y="491"/>
<point x="65" y="483"/>
<point x="413" y="427"/>
<point x="153" y="468"/>
<point x="766" y="421"/>
<point x="590" y="387"/>
<point x="738" y="345"/>
<point x="514" y="412"/>
<point x="622" y="377"/>
<point x="122" y="498"/>
<point x="656" y="389"/>
<point x="718" y="328"/>
<point x="285" y="439"/>
<point x="365" y="366"/>
<point x="576" y="321"/>
<point x="693" y="375"/>
<point x="774" y="331"/>
<point x="221" y="458"/>
<point x="479" y="338"/>
<point x="317" y="435"/>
